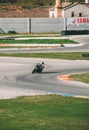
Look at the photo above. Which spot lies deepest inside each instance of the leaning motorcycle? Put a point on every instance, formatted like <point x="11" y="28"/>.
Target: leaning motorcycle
<point x="38" y="69"/>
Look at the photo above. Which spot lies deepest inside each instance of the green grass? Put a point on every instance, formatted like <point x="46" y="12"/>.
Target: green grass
<point x="37" y="41"/>
<point x="55" y="55"/>
<point x="81" y="77"/>
<point x="50" y="112"/>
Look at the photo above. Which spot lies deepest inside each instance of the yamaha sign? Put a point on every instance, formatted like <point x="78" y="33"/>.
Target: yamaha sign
<point x="78" y="23"/>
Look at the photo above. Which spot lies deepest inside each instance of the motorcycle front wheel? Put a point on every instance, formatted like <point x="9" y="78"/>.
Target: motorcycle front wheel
<point x="33" y="71"/>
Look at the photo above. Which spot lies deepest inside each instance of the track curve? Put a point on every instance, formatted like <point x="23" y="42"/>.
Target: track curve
<point x="16" y="78"/>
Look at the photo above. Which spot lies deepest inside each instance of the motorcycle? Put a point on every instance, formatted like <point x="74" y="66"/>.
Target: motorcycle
<point x="38" y="68"/>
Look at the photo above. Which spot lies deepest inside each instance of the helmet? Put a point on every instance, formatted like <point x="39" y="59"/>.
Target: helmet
<point x="42" y="62"/>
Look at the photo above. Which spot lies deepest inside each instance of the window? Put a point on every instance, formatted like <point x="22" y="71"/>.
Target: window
<point x="72" y="14"/>
<point x="80" y="14"/>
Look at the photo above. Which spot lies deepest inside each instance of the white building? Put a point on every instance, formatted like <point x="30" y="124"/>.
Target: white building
<point x="66" y="9"/>
<point x="76" y="10"/>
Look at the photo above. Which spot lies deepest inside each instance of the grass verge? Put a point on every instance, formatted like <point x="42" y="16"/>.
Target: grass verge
<point x="37" y="41"/>
<point x="55" y="55"/>
<point x="50" y="112"/>
<point x="81" y="77"/>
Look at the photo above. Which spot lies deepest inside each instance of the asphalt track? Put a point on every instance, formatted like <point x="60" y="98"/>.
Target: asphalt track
<point x="16" y="78"/>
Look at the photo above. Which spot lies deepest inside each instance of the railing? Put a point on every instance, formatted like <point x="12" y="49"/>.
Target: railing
<point x="1" y="31"/>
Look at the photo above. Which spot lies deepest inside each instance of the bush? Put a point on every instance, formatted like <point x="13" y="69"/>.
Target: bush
<point x="12" y="32"/>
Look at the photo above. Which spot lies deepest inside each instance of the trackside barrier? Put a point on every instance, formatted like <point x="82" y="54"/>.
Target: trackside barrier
<point x="67" y="26"/>
<point x="74" y="32"/>
<point x="85" y="55"/>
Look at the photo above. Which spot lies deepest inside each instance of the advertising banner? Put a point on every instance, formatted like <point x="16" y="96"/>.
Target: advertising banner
<point x="78" y="23"/>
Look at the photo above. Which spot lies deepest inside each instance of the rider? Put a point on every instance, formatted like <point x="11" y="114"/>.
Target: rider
<point x="40" y="65"/>
<point x="38" y="68"/>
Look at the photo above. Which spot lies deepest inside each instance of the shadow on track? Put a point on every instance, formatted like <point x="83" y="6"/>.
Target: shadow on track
<point x="50" y="72"/>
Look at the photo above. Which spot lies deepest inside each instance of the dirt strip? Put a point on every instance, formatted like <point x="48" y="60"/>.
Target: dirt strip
<point x="65" y="77"/>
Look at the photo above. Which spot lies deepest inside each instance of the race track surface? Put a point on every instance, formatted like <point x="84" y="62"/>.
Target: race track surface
<point x="16" y="78"/>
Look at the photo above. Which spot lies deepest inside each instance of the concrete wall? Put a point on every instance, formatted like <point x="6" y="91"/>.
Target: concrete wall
<point x="32" y="25"/>
<point x="20" y="25"/>
<point x="43" y="25"/>
<point x="39" y="25"/>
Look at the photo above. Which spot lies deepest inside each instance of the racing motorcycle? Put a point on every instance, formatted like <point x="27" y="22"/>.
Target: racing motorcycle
<point x="38" y="68"/>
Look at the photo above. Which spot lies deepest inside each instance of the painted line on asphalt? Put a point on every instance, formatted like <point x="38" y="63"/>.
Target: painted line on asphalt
<point x="68" y="95"/>
<point x="62" y="94"/>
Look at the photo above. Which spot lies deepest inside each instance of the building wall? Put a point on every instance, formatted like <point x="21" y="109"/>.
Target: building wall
<point x="52" y="14"/>
<point x="77" y="9"/>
